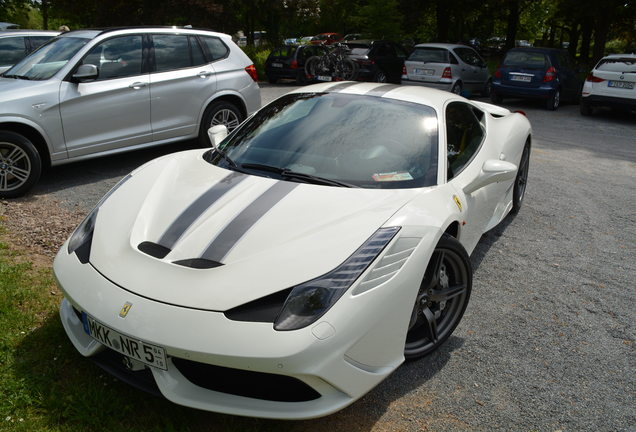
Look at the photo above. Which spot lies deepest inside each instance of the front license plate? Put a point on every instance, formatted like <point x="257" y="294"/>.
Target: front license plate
<point x="149" y="354"/>
<point x="323" y="78"/>
<point x="520" y="78"/>
<point x="277" y="65"/>
<point x="621" y="84"/>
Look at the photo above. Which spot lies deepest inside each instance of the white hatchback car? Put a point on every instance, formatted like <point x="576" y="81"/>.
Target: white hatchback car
<point x="449" y="67"/>
<point x="612" y="83"/>
<point x="90" y="93"/>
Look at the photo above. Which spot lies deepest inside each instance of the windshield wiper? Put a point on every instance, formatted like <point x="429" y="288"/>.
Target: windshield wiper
<point x="17" y="77"/>
<point x="288" y="174"/>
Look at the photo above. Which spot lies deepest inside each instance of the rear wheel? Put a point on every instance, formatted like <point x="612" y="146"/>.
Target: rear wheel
<point x="20" y="165"/>
<point x="380" y="77"/>
<point x="219" y="113"/>
<point x="554" y="101"/>
<point x="311" y="66"/>
<point x="519" y="190"/>
<point x="441" y="300"/>
<point x="457" y="88"/>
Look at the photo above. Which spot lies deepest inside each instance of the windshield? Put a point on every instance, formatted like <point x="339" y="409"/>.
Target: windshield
<point x="363" y="141"/>
<point x="48" y="59"/>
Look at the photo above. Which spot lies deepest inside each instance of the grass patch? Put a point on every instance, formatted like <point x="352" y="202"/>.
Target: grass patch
<point x="46" y="385"/>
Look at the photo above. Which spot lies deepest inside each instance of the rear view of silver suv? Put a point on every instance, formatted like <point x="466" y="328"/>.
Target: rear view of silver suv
<point x="90" y="93"/>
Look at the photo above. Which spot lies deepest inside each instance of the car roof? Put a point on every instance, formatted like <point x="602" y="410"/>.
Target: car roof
<point x="539" y="49"/>
<point x="27" y="32"/>
<point x="417" y="94"/>
<point x="441" y="45"/>
<point x="631" y="55"/>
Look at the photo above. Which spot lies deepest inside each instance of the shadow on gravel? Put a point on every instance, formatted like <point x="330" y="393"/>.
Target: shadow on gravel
<point x="488" y="239"/>
<point x="67" y="390"/>
<point x="108" y="167"/>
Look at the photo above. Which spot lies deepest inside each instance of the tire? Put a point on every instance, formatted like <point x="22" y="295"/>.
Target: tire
<point x="585" y="108"/>
<point x="348" y="69"/>
<point x="311" y="66"/>
<point x="20" y="165"/>
<point x="380" y="77"/>
<point x="495" y="98"/>
<point x="521" y="180"/>
<point x="441" y="299"/>
<point x="457" y="88"/>
<point x="217" y="113"/>
<point x="487" y="90"/>
<point x="553" y="101"/>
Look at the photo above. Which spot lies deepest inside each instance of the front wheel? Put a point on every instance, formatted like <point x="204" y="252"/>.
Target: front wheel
<point x="20" y="165"/>
<point x="348" y="69"/>
<point x="441" y="299"/>
<point x="521" y="180"/>
<point x="219" y="113"/>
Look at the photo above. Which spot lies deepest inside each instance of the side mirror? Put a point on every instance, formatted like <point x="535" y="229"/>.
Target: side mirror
<point x="492" y="171"/>
<point x="85" y="72"/>
<point x="217" y="134"/>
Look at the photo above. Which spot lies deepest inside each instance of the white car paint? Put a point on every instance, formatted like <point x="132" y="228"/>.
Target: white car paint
<point x="310" y="231"/>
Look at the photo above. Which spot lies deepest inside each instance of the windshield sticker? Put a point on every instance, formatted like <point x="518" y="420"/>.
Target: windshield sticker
<point x="392" y="176"/>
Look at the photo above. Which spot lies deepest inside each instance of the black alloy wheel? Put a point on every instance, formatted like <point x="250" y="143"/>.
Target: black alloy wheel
<point x="521" y="181"/>
<point x="441" y="299"/>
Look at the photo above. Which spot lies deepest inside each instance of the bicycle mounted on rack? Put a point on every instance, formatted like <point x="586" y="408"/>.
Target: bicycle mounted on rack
<point x="334" y="65"/>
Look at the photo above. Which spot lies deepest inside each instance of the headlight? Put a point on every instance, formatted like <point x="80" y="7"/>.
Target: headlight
<point x="82" y="237"/>
<point x="311" y="300"/>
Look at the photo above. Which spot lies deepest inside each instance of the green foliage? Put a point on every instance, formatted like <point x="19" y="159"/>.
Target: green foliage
<point x="380" y="19"/>
<point x="258" y="55"/>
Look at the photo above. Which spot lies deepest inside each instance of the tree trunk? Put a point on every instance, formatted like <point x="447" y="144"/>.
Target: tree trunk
<point x="586" y="38"/>
<point x="443" y="20"/>
<point x="513" y="21"/>
<point x="45" y="14"/>
<point x="600" y="33"/>
<point x="574" y="39"/>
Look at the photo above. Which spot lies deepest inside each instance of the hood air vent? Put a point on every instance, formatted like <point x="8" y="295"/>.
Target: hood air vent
<point x="153" y="249"/>
<point x="198" y="263"/>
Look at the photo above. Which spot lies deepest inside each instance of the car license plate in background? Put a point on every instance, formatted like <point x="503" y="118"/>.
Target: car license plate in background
<point x="427" y="72"/>
<point x="277" y="65"/>
<point x="323" y="78"/>
<point x="520" y="78"/>
<point x="621" y="84"/>
<point x="146" y="353"/>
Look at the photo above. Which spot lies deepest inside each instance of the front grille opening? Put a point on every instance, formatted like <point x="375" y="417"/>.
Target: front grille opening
<point x="112" y="362"/>
<point x="153" y="249"/>
<point x="238" y="382"/>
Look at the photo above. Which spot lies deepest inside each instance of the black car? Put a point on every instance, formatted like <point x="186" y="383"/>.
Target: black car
<point x="540" y="73"/>
<point x="288" y="61"/>
<point x="379" y="60"/>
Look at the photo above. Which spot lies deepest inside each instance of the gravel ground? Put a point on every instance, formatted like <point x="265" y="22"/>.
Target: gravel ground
<point x="547" y="341"/>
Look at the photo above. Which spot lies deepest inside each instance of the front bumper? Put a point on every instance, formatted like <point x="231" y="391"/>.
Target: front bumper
<point x="338" y="358"/>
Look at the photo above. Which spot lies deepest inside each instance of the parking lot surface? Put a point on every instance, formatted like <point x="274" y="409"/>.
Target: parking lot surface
<point x="547" y="341"/>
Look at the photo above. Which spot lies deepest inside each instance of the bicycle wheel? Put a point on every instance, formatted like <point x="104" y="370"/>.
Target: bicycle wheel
<point x="312" y="67"/>
<point x="347" y="69"/>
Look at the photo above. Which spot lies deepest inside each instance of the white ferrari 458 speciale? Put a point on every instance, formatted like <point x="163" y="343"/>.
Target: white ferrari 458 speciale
<point x="293" y="266"/>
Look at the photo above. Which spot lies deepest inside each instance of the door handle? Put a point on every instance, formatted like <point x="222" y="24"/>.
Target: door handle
<point x="204" y="74"/>
<point x="137" y="85"/>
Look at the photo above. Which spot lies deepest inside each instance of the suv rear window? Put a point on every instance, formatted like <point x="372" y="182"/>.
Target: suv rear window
<point x="528" y="59"/>
<point x="616" y="64"/>
<point x="430" y="55"/>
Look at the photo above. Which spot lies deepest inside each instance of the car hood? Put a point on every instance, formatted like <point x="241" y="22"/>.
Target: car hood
<point x="260" y="235"/>
<point x="24" y="90"/>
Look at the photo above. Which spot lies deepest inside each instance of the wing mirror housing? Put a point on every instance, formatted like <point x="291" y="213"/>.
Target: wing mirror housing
<point x="492" y="171"/>
<point x="85" y="72"/>
<point x="217" y="134"/>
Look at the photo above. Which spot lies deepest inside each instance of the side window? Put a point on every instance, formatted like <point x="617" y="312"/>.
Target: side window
<point x="196" y="52"/>
<point x="12" y="50"/>
<point x="216" y="48"/>
<point x="452" y="59"/>
<point x="171" y="52"/>
<point x="118" y="57"/>
<point x="468" y="56"/>
<point x="464" y="134"/>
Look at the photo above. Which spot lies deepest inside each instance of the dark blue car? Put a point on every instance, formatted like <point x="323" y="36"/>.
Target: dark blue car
<point x="540" y="73"/>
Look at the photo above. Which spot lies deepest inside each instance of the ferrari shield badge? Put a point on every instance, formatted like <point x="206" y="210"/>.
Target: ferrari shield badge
<point x="125" y="309"/>
<point x="458" y="202"/>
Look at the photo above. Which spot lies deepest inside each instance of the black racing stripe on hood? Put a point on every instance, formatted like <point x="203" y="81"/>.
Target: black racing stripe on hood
<point x="196" y="209"/>
<point x="381" y="90"/>
<point x="236" y="229"/>
<point x="341" y="86"/>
